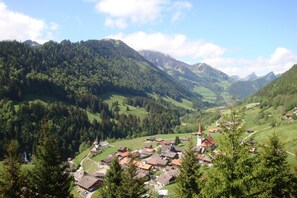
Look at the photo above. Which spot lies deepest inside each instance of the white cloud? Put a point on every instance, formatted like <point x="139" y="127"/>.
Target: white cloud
<point x="140" y="11"/>
<point x="119" y="23"/>
<point x="17" y="26"/>
<point x="178" y="46"/>
<point x="279" y="61"/>
<point x="181" y="47"/>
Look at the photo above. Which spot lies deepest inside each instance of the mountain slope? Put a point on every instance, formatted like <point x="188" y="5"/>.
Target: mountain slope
<point x="91" y="67"/>
<point x="242" y="89"/>
<point x="280" y="92"/>
<point x="200" y="78"/>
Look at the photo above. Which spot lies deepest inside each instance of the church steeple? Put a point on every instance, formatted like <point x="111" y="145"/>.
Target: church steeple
<point x="199" y="136"/>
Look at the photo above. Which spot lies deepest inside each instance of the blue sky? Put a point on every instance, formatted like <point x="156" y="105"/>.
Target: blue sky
<point x="237" y="37"/>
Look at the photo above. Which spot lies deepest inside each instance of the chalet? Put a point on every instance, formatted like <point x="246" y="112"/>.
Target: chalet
<point x="214" y="130"/>
<point x="159" y="140"/>
<point x="151" y="139"/>
<point x="99" y="175"/>
<point x="253" y="150"/>
<point x="135" y="154"/>
<point x="122" y="149"/>
<point x="142" y="174"/>
<point x="143" y="166"/>
<point x="123" y="154"/>
<point x="124" y="161"/>
<point x="147" y="152"/>
<point x="203" y="158"/>
<point x="103" y="145"/>
<point x="148" y="146"/>
<point x="107" y="160"/>
<point x="168" y="152"/>
<point x="289" y="115"/>
<point x="157" y="161"/>
<point x="165" y="142"/>
<point x="184" y="139"/>
<point x="165" y="179"/>
<point x="176" y="162"/>
<point x="89" y="183"/>
<point x="80" y="173"/>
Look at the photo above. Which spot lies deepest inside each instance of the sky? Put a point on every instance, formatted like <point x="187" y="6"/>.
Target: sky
<point x="236" y="37"/>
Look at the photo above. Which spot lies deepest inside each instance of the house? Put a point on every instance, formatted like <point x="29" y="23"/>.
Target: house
<point x="165" y="179"/>
<point x="107" y="160"/>
<point x="123" y="154"/>
<point x="103" y="145"/>
<point x="156" y="161"/>
<point x="143" y="166"/>
<point x="99" y="175"/>
<point x="203" y="158"/>
<point x="124" y="161"/>
<point x="89" y="183"/>
<point x="147" y="152"/>
<point x="151" y="139"/>
<point x="148" y="146"/>
<point x="159" y="140"/>
<point x="122" y="149"/>
<point x="214" y="130"/>
<point x="176" y="162"/>
<point x="253" y="150"/>
<point x="79" y="174"/>
<point x="135" y="154"/>
<point x="165" y="142"/>
<point x="184" y="139"/>
<point x="168" y="151"/>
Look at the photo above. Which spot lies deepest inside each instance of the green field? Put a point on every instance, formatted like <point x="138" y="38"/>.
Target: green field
<point x="207" y="94"/>
<point x="111" y="97"/>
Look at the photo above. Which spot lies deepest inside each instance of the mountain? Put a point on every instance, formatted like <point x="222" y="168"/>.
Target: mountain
<point x="32" y="43"/>
<point x="64" y="85"/>
<point x="92" y="67"/>
<point x="235" y="77"/>
<point x="201" y="78"/>
<point x="250" y="77"/>
<point x="242" y="89"/>
<point x="280" y="92"/>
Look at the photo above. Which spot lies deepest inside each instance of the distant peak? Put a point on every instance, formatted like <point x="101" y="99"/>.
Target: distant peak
<point x="32" y="43"/>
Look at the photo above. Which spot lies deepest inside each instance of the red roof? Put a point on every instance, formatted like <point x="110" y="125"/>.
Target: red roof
<point x="208" y="142"/>
<point x="176" y="162"/>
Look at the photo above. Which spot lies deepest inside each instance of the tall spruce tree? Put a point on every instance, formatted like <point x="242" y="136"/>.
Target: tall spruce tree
<point x="188" y="177"/>
<point x="112" y="180"/>
<point x="231" y="173"/>
<point x="273" y="172"/>
<point x="131" y="186"/>
<point x="11" y="181"/>
<point x="48" y="178"/>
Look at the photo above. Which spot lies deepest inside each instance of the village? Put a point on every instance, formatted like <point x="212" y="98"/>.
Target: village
<point x="158" y="166"/>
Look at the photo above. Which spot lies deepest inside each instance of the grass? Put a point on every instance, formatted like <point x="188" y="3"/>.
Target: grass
<point x="80" y="157"/>
<point x="112" y="97"/>
<point x="186" y="104"/>
<point x="1" y="166"/>
<point x="95" y="194"/>
<point x="74" y="192"/>
<point x="207" y="94"/>
<point x="171" y="190"/>
<point x="90" y="166"/>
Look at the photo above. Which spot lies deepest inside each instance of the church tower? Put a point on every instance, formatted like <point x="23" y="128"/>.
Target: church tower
<point x="199" y="136"/>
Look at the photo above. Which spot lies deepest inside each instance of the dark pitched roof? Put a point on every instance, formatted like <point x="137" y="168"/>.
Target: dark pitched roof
<point x="87" y="182"/>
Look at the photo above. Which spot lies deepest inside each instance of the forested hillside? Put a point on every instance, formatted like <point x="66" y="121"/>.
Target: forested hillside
<point x="281" y="92"/>
<point x="73" y="76"/>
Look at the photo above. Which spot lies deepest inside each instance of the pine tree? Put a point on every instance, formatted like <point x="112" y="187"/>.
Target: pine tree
<point x="188" y="177"/>
<point x="177" y="140"/>
<point x="11" y="181"/>
<point x="273" y="172"/>
<point x="131" y="186"/>
<point x="112" y="180"/>
<point x="231" y="173"/>
<point x="48" y="178"/>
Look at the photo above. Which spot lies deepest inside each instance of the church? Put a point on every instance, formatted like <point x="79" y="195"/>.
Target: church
<point x="204" y="144"/>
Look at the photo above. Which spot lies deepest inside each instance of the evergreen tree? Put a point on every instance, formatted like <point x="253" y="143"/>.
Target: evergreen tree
<point x="231" y="173"/>
<point x="11" y="177"/>
<point x="48" y="178"/>
<point x="131" y="186"/>
<point x="177" y="140"/>
<point x="274" y="174"/>
<point x="112" y="180"/>
<point x="188" y="177"/>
